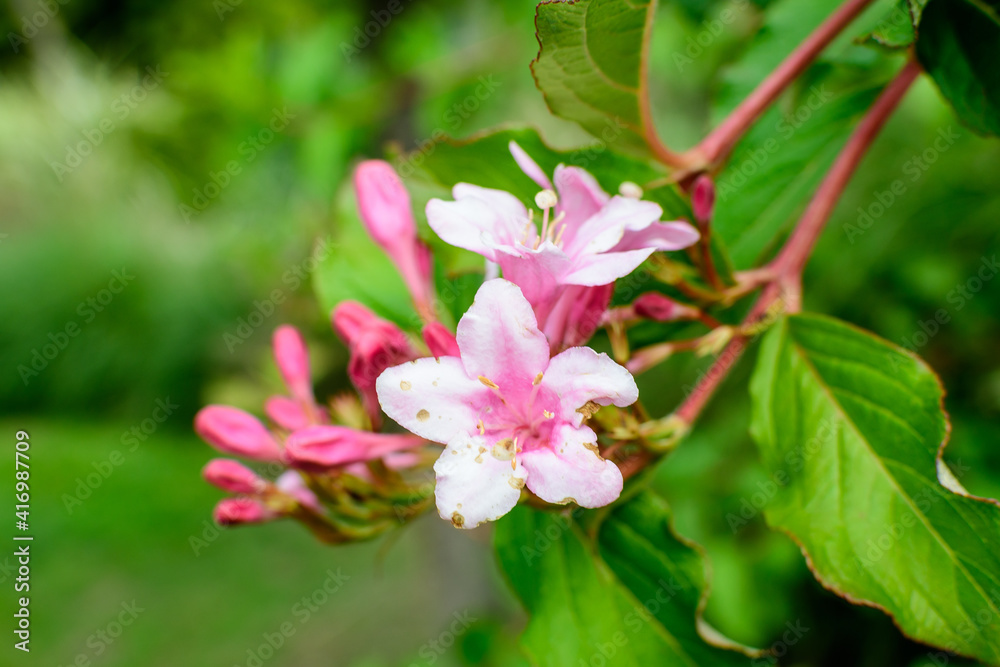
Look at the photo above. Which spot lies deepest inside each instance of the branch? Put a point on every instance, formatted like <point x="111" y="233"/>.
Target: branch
<point x="783" y="289"/>
<point x="722" y="139"/>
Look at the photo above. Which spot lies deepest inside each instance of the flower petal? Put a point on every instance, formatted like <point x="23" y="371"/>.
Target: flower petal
<point x="474" y="486"/>
<point x="286" y="413"/>
<point x="580" y="196"/>
<point x="433" y="398"/>
<point x="604" y="229"/>
<point x="479" y="220"/>
<point x="537" y="272"/>
<point x="572" y="471"/>
<point x="499" y="337"/>
<point x="529" y="166"/>
<point x="659" y="235"/>
<point x="606" y="267"/>
<point x="580" y="375"/>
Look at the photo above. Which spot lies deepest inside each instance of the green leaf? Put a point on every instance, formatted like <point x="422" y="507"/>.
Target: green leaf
<point x="959" y="47"/>
<point x="632" y="596"/>
<point x="591" y="68"/>
<point x="851" y="430"/>
<point x="898" y="28"/>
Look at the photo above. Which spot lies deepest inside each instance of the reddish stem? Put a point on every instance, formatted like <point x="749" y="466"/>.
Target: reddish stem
<point x="722" y="139"/>
<point x="788" y="265"/>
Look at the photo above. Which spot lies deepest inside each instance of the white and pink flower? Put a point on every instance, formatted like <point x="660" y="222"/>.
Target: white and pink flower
<point x="509" y="414"/>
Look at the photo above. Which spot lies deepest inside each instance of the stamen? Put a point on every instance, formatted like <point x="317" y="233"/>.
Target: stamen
<point x="548" y="415"/>
<point x="558" y="239"/>
<point x="482" y="427"/>
<point x="630" y="190"/>
<point x="537" y="380"/>
<point x="488" y="382"/>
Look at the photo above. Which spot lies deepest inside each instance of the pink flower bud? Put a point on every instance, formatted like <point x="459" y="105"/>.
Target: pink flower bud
<point x="236" y="511"/>
<point x="293" y="361"/>
<point x="655" y="306"/>
<point x="236" y="432"/>
<point x="291" y="483"/>
<point x="703" y="199"/>
<point x="384" y="205"/>
<point x="232" y="476"/>
<point x="375" y="344"/>
<point x="323" y="447"/>
<point x="440" y="340"/>
<point x="286" y="413"/>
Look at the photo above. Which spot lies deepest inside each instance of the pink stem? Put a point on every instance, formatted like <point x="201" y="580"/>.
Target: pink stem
<point x="722" y="139"/>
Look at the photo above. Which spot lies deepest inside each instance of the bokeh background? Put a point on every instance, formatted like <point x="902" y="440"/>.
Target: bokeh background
<point x="116" y="119"/>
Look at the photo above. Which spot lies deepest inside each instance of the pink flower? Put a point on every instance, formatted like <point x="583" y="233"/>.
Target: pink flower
<point x="509" y="414"/>
<point x="320" y="448"/>
<point x="587" y="238"/>
<point x="292" y="359"/>
<point x="233" y="477"/>
<point x="384" y="205"/>
<point x="375" y="344"/>
<point x="236" y="432"/>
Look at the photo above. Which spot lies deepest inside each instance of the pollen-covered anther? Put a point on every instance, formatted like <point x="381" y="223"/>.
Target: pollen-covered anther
<point x="630" y="190"/>
<point x="538" y="379"/>
<point x="482" y="427"/>
<point x="546" y="199"/>
<point x="488" y="382"/>
<point x="548" y="415"/>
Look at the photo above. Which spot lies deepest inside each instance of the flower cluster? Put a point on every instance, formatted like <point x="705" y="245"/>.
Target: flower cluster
<point x="509" y="394"/>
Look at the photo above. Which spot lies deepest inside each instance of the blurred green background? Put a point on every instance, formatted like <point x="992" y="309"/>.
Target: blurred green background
<point x="200" y="150"/>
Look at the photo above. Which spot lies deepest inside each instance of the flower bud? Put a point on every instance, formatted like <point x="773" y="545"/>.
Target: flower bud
<point x="440" y="341"/>
<point x="384" y="205"/>
<point x="233" y="477"/>
<point x="286" y="413"/>
<point x="375" y="344"/>
<point x="236" y="432"/>
<point x="291" y="483"/>
<point x="656" y="306"/>
<point x="703" y="199"/>
<point x="292" y="359"/>
<point x="237" y="511"/>
<point x="320" y="448"/>
<point x="576" y="315"/>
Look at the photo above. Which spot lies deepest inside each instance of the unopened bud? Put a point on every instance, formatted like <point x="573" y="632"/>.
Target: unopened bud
<point x="237" y="511"/>
<point x="703" y="199"/>
<point x="292" y="358"/>
<point x="236" y="432"/>
<point x="440" y="341"/>
<point x="233" y="477"/>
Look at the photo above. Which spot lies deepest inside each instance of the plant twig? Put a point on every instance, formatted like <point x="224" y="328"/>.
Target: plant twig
<point x="722" y="139"/>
